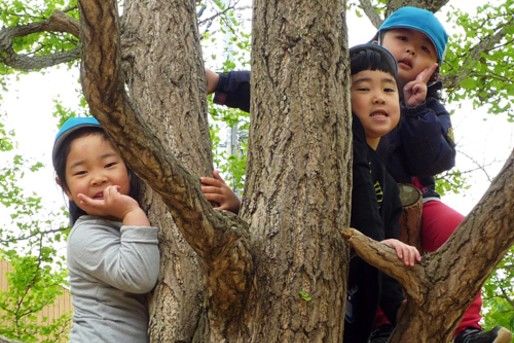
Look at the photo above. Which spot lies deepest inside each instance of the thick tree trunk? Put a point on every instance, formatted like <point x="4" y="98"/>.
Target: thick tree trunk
<point x="297" y="192"/>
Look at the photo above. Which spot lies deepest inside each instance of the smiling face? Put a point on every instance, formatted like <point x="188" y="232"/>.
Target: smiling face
<point x="375" y="101"/>
<point x="93" y="164"/>
<point x="413" y="51"/>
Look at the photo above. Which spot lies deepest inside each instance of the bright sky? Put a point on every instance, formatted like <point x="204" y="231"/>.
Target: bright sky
<point x="29" y="104"/>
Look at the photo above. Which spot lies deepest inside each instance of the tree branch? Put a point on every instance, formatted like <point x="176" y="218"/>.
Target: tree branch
<point x="385" y="259"/>
<point x="371" y="13"/>
<point x="58" y="22"/>
<point x="431" y="5"/>
<point x="221" y="240"/>
<point x="486" y="44"/>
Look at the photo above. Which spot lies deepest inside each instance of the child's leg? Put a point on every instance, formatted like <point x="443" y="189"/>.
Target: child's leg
<point x="438" y="223"/>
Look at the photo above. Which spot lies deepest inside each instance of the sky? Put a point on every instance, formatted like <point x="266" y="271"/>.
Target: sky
<point x="29" y="103"/>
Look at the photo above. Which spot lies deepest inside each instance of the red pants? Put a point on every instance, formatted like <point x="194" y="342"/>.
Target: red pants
<point x="438" y="223"/>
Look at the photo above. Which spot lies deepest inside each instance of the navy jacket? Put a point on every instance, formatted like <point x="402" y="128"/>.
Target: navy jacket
<point x="421" y="146"/>
<point x="376" y="209"/>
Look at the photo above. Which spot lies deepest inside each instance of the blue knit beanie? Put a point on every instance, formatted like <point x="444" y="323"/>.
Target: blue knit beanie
<point x="69" y="126"/>
<point x="421" y="20"/>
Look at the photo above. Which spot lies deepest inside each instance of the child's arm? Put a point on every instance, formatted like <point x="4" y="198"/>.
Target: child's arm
<point x="124" y="257"/>
<point x="212" y="80"/>
<point x="407" y="253"/>
<point x="232" y="88"/>
<point x="427" y="139"/>
<point x="216" y="190"/>
<point x="425" y="131"/>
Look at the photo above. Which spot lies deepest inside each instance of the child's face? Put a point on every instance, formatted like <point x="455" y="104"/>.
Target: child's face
<point x="375" y="101"/>
<point x="92" y="165"/>
<point x="413" y="51"/>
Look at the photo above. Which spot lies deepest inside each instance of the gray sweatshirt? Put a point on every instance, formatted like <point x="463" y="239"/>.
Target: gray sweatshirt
<point x="111" y="268"/>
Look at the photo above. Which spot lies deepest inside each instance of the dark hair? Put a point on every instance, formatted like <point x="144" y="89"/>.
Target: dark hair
<point x="371" y="56"/>
<point x="60" y="169"/>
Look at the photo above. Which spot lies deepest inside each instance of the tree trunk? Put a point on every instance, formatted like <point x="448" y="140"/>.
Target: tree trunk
<point x="297" y="192"/>
<point x="157" y="73"/>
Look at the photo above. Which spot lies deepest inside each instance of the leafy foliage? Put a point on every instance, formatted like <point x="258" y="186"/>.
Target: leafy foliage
<point x="484" y="77"/>
<point x="32" y="285"/>
<point x="498" y="295"/>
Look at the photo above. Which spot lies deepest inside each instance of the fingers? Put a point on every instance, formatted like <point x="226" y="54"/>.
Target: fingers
<point x="415" y="93"/>
<point x="214" y="197"/>
<point x="210" y="181"/>
<point x="426" y="74"/>
<point x="408" y="254"/>
<point x="211" y="189"/>
<point x="411" y="256"/>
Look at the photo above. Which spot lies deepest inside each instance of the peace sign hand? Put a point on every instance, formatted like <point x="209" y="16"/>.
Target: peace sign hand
<point x="415" y="91"/>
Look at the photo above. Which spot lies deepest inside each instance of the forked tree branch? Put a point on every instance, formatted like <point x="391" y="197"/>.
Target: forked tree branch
<point x="59" y="23"/>
<point x="385" y="259"/>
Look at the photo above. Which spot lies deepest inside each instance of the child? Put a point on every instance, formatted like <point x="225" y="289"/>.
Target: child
<point x="420" y="147"/>
<point x="375" y="201"/>
<point x="113" y="258"/>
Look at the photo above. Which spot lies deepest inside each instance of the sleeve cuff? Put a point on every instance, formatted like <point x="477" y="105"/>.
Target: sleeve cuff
<point x="142" y="234"/>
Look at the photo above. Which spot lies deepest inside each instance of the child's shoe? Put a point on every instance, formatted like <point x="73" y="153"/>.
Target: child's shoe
<point x="382" y="334"/>
<point x="496" y="335"/>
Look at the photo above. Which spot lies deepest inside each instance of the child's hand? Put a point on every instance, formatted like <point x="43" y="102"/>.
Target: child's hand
<point x="212" y="80"/>
<point x="415" y="91"/>
<point x="407" y="253"/>
<point x="216" y="191"/>
<point x="115" y="205"/>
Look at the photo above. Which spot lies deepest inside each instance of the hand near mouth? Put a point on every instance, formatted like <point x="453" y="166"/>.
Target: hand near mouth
<point x="415" y="91"/>
<point x="115" y="205"/>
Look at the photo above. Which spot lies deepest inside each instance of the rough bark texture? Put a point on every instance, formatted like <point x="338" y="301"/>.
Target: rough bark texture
<point x="297" y="190"/>
<point x="155" y="77"/>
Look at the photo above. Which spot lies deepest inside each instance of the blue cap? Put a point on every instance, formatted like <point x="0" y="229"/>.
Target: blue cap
<point x="421" y="20"/>
<point x="69" y="126"/>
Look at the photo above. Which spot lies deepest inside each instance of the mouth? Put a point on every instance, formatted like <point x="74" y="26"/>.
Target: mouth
<point x="379" y="113"/>
<point x="405" y="63"/>
<point x="99" y="195"/>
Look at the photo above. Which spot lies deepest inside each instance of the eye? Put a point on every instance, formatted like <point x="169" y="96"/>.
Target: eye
<point x="362" y="89"/>
<point x="389" y="90"/>
<point x="110" y="164"/>
<point x="401" y="37"/>
<point x="79" y="173"/>
<point x="426" y="49"/>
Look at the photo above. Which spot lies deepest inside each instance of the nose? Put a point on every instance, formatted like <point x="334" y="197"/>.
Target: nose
<point x="410" y="50"/>
<point x="98" y="179"/>
<point x="378" y="98"/>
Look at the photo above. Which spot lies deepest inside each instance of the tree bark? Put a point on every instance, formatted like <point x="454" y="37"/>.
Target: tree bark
<point x="297" y="191"/>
